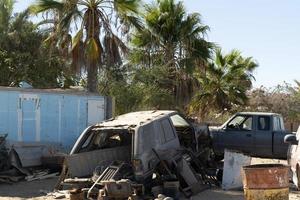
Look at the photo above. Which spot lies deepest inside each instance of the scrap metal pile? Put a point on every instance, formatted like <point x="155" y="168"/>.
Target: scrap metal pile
<point x="183" y="174"/>
<point x="139" y="156"/>
<point x="3" y="154"/>
<point x="11" y="169"/>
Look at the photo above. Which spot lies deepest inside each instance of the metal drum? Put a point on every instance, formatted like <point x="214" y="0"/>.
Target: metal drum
<point x="266" y="182"/>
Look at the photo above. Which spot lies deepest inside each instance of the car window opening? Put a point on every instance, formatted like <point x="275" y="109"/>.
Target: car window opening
<point x="106" y="139"/>
<point x="184" y="131"/>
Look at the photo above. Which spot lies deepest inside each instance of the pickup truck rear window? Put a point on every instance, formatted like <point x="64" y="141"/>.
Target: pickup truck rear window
<point x="278" y="123"/>
<point x="264" y="123"/>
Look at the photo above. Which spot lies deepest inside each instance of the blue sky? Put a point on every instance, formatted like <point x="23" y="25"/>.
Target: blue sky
<point x="267" y="30"/>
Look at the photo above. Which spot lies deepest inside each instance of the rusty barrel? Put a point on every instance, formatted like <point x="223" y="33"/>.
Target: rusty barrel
<point x="266" y="182"/>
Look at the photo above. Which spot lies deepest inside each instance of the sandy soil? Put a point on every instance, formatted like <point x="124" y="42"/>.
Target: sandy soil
<point x="35" y="190"/>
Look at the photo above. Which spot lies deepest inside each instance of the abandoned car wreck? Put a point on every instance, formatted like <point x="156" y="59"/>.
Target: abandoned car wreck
<point x="140" y="154"/>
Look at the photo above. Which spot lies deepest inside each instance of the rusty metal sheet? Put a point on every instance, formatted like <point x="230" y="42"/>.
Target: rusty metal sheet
<point x="266" y="176"/>
<point x="83" y="164"/>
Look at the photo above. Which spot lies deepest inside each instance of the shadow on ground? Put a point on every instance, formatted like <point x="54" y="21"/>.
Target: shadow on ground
<point x="26" y="189"/>
<point x="219" y="194"/>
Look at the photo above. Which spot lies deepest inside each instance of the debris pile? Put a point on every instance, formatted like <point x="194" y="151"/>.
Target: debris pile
<point x="11" y="169"/>
<point x="182" y="174"/>
<point x="140" y="156"/>
<point x="4" y="164"/>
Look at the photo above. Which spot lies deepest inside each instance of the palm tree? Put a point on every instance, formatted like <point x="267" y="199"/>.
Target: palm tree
<point x="225" y="83"/>
<point x="95" y="42"/>
<point x="173" y="39"/>
<point x="6" y="10"/>
<point x="10" y="24"/>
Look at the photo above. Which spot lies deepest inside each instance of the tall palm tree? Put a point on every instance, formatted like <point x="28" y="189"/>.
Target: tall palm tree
<point x="173" y="39"/>
<point x="225" y="83"/>
<point x="10" y="23"/>
<point x="96" y="42"/>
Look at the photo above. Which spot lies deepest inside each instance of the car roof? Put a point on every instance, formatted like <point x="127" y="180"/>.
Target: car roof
<point x="257" y="113"/>
<point x="135" y="118"/>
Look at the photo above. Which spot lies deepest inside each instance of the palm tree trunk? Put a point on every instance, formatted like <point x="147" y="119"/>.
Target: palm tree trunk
<point x="92" y="28"/>
<point x="92" y="73"/>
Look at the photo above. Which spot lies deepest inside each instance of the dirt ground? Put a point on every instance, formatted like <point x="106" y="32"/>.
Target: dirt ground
<point x="35" y="190"/>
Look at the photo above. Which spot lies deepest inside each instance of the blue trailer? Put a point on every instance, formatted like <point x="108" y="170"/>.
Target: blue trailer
<point x="49" y="116"/>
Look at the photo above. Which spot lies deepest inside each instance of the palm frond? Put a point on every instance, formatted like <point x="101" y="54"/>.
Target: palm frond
<point x="45" y="5"/>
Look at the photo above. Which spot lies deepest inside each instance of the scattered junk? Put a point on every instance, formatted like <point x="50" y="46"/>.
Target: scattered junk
<point x="4" y="164"/>
<point x="145" y="155"/>
<point x="11" y="169"/>
<point x="140" y="155"/>
<point x="266" y="181"/>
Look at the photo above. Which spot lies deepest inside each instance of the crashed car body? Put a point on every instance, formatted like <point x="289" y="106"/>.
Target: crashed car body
<point x="132" y="138"/>
<point x="294" y="155"/>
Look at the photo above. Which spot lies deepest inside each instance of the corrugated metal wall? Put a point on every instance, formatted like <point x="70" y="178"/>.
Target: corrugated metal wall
<point x="47" y="117"/>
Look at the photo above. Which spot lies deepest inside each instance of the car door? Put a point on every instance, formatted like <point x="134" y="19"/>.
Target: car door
<point x="263" y="137"/>
<point x="238" y="134"/>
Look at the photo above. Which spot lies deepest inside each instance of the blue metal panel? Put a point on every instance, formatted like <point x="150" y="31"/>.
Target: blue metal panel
<point x="3" y="113"/>
<point x="12" y="116"/>
<point x="70" y="114"/>
<point x="8" y="114"/>
<point x="49" y="117"/>
<point x="82" y="121"/>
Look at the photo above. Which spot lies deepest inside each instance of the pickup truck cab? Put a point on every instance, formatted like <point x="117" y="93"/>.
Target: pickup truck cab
<point x="254" y="133"/>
